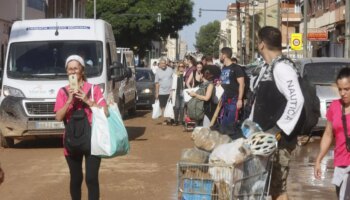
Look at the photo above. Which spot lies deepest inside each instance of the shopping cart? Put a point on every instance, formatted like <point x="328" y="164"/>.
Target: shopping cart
<point x="248" y="180"/>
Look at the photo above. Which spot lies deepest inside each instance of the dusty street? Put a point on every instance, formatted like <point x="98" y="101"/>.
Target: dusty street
<point x="37" y="170"/>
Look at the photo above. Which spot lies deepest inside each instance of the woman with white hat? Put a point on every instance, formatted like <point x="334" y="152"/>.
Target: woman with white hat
<point x="70" y="101"/>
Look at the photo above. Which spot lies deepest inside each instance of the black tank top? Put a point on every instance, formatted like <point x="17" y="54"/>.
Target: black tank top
<point x="195" y="82"/>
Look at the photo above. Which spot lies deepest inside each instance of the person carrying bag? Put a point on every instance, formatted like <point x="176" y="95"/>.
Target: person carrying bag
<point x="73" y="107"/>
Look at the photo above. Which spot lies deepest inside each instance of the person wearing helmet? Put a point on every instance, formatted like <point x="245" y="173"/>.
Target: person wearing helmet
<point x="278" y="103"/>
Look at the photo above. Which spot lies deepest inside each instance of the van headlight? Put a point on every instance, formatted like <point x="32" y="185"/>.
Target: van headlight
<point x="10" y="91"/>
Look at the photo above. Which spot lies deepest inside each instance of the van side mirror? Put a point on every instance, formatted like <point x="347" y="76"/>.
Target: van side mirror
<point x="116" y="72"/>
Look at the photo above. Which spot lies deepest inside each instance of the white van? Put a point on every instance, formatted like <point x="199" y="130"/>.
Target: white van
<point x="34" y="71"/>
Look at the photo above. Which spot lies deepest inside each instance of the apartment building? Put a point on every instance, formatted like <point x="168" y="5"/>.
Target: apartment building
<point x="326" y="28"/>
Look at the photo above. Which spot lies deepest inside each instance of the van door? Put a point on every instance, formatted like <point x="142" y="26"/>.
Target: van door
<point x="130" y="85"/>
<point x="113" y="86"/>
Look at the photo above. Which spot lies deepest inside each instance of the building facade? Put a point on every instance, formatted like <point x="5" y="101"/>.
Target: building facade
<point x="326" y="28"/>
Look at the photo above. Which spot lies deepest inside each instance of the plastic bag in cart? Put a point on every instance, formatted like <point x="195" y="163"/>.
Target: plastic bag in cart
<point x="232" y="154"/>
<point x="207" y="139"/>
<point x="194" y="155"/>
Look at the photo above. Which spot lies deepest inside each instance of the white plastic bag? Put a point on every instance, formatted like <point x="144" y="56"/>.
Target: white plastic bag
<point x="109" y="137"/>
<point x="219" y="91"/>
<point x="156" y="111"/>
<point x="186" y="94"/>
<point x="100" y="138"/>
<point x="169" y="110"/>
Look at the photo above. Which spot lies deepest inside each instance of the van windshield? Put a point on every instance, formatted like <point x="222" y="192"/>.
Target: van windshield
<point x="323" y="73"/>
<point x="46" y="59"/>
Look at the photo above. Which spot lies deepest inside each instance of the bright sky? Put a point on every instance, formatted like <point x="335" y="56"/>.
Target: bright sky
<point x="188" y="33"/>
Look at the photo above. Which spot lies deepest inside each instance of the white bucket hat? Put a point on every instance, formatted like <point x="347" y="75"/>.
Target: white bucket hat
<point x="76" y="58"/>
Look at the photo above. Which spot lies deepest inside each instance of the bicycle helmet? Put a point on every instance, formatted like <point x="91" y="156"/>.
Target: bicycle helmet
<point x="263" y="144"/>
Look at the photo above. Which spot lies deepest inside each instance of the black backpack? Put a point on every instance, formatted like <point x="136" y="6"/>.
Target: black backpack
<point x="311" y="109"/>
<point x="77" y="138"/>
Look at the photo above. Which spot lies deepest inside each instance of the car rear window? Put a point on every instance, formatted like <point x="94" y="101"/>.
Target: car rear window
<point x="143" y="75"/>
<point x="323" y="73"/>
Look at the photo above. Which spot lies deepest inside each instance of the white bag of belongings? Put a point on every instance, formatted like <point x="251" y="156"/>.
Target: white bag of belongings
<point x="231" y="154"/>
<point x="169" y="110"/>
<point x="156" y="111"/>
<point x="207" y="140"/>
<point x="194" y="155"/>
<point x="186" y="92"/>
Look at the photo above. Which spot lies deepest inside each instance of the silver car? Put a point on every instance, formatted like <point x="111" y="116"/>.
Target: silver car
<point x="322" y="72"/>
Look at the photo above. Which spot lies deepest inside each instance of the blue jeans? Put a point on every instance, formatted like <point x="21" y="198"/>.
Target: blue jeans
<point x="179" y="108"/>
<point x="228" y="115"/>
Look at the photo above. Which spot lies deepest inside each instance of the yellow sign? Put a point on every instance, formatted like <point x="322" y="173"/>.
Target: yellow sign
<point x="296" y="41"/>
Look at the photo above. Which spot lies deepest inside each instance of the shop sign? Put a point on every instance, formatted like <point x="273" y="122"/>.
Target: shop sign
<point x="317" y="36"/>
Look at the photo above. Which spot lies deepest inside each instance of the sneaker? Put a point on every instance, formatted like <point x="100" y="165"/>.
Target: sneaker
<point x="175" y="123"/>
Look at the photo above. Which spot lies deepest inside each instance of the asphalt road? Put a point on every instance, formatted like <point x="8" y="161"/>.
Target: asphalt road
<point x="37" y="170"/>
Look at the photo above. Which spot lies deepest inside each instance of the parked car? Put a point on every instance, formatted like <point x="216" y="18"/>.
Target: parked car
<point x="322" y="72"/>
<point x="145" y="87"/>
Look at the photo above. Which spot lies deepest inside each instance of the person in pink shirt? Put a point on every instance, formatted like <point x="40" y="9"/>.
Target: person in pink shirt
<point x="68" y="100"/>
<point x="335" y="129"/>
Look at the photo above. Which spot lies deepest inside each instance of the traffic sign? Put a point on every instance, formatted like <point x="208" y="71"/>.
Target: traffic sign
<point x="296" y="41"/>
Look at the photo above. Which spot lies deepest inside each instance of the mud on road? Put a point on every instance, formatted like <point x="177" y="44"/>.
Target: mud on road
<point x="37" y="170"/>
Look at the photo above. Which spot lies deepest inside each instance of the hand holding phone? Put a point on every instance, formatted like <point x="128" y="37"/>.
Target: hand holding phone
<point x="73" y="82"/>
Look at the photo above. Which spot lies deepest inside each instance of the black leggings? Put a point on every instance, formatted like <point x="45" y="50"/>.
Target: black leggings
<point x="92" y="165"/>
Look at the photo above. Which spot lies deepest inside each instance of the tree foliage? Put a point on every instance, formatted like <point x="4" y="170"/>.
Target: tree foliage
<point x="206" y="40"/>
<point x="135" y="22"/>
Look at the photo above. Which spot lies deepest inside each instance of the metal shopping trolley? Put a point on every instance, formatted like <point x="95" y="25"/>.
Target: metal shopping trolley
<point x="248" y="180"/>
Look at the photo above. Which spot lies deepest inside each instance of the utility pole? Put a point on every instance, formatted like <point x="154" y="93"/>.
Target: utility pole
<point x="247" y="31"/>
<point x="265" y="12"/>
<point x="239" y="32"/>
<point x="253" y="32"/>
<point x="73" y="8"/>
<point x="306" y="5"/>
<point x="94" y="9"/>
<point x="278" y="14"/>
<point x="347" y="29"/>
<point x="23" y="9"/>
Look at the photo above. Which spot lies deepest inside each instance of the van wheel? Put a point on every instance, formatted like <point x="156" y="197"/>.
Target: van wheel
<point x="6" y="142"/>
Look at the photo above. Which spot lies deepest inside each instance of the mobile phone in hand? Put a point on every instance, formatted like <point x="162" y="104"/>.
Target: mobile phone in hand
<point x="73" y="82"/>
